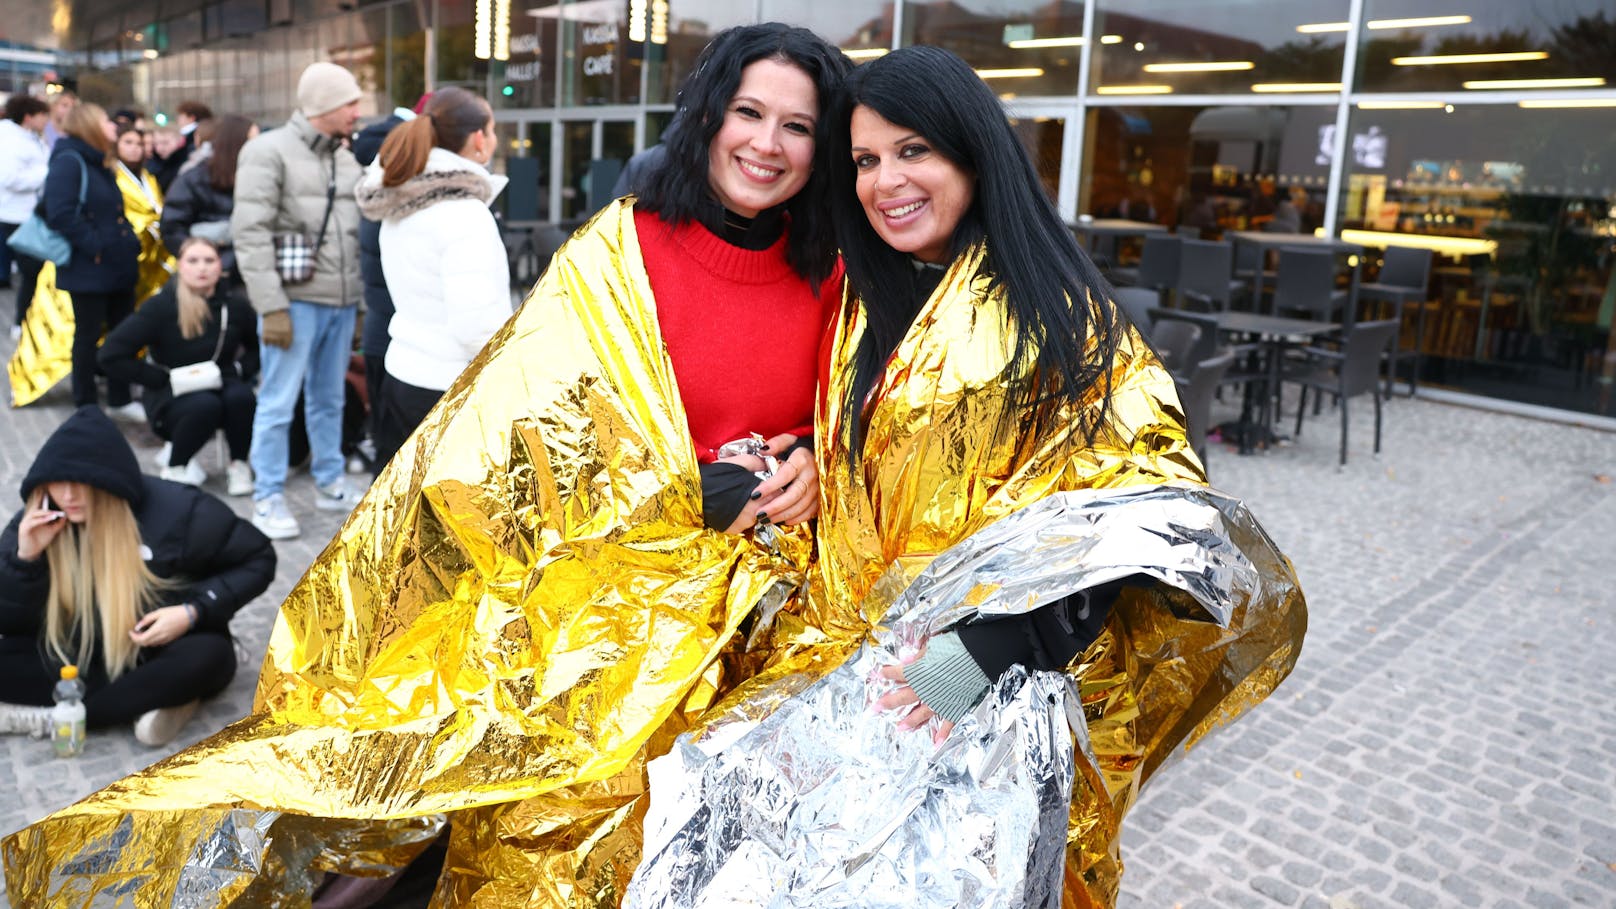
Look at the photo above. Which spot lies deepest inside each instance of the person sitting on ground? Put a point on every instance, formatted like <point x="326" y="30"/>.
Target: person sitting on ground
<point x="131" y="578"/>
<point x="195" y="319"/>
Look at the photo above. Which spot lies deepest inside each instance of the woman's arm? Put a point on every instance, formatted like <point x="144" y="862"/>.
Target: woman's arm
<point x="179" y="212"/>
<point x="62" y="182"/>
<point x="24" y="584"/>
<point x="242" y="316"/>
<point x="120" y="350"/>
<point x="231" y="561"/>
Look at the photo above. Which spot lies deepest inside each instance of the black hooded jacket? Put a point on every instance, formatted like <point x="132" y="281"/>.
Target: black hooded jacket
<point x="215" y="560"/>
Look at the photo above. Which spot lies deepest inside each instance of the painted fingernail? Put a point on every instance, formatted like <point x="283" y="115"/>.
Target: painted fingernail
<point x="762" y="516"/>
<point x="756" y="494"/>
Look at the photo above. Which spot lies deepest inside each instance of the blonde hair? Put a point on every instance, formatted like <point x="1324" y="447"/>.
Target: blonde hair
<point x="99" y="584"/>
<point x="194" y="312"/>
<point x="85" y="123"/>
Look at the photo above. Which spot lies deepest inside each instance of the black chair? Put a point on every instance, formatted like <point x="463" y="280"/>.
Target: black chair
<point x="1250" y="271"/>
<point x="1175" y="343"/>
<point x="1195" y="394"/>
<point x="1305" y="286"/>
<point x="1352" y="370"/>
<point x="1187" y="232"/>
<point x="1403" y="280"/>
<point x="1136" y="303"/>
<point x="1158" y="264"/>
<point x="1207" y="346"/>
<point x="1204" y="280"/>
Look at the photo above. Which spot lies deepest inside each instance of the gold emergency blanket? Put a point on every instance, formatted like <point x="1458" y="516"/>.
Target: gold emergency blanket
<point x="942" y="484"/>
<point x="524" y="604"/>
<point x="44" y="354"/>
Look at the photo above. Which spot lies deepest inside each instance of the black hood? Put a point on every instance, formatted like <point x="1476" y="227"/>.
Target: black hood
<point x="87" y="448"/>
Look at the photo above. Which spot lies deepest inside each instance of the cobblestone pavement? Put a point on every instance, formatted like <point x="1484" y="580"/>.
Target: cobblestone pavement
<point x="1444" y="741"/>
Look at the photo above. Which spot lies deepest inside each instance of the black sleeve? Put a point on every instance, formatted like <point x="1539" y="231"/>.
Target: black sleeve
<point x="241" y="314"/>
<point x="120" y="350"/>
<point x="179" y="212"/>
<point x="1047" y="638"/>
<point x="725" y="490"/>
<point x="230" y="560"/>
<point x="23" y="586"/>
<point x="62" y="183"/>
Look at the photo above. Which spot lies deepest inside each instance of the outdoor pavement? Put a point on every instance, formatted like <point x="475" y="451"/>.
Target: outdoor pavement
<point x="1446" y="739"/>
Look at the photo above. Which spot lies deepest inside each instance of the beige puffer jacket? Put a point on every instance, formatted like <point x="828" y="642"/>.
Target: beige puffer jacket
<point x="281" y="181"/>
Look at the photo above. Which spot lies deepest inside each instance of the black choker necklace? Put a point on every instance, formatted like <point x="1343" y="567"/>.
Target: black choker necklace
<point x="748" y="233"/>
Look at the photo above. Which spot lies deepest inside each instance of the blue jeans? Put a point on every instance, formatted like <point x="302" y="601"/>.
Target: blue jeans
<point x="317" y="362"/>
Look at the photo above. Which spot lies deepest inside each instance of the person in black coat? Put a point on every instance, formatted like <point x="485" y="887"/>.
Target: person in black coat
<point x="200" y="200"/>
<point x="378" y="300"/>
<point x="195" y="318"/>
<point x="160" y="569"/>
<point x="104" y="267"/>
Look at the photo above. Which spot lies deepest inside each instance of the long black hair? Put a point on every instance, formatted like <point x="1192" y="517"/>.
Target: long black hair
<point x="680" y="190"/>
<point x="1046" y="279"/>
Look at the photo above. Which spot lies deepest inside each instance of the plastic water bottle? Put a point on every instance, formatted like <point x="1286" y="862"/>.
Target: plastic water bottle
<point x="67" y="717"/>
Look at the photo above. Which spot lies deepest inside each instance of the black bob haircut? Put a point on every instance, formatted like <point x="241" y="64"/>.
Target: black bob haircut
<point x="1047" y="280"/>
<point x="680" y="190"/>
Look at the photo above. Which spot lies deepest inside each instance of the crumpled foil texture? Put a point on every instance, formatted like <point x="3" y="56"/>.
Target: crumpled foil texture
<point x="826" y="803"/>
<point x="499" y="632"/>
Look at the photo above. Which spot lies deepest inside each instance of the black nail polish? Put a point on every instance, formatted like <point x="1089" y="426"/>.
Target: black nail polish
<point x="756" y="494"/>
<point x="763" y="517"/>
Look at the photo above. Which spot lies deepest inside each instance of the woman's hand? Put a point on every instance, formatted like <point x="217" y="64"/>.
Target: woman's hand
<point x="160" y="626"/>
<point x="38" y="527"/>
<point x="791" y="496"/>
<point x="905" y="696"/>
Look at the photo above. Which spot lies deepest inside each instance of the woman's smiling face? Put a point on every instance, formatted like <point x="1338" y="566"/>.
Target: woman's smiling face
<point x="913" y="194"/>
<point x="764" y="150"/>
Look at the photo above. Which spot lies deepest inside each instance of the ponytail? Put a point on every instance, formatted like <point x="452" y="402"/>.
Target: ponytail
<point x="450" y="118"/>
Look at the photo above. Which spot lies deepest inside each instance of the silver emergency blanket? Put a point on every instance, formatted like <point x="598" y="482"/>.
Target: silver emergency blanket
<point x="823" y="802"/>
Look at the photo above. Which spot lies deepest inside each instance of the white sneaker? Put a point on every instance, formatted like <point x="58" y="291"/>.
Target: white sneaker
<point x="16" y="332"/>
<point x="190" y="474"/>
<point x="161" y="457"/>
<point x="156" y="728"/>
<point x="339" y="496"/>
<point x="22" y="719"/>
<point x="272" y="518"/>
<point x="134" y="412"/>
<point x="238" y="479"/>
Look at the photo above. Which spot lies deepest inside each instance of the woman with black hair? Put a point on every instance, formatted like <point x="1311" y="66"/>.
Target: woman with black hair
<point x="561" y="567"/>
<point x="1010" y="514"/>
<point x="143" y="208"/>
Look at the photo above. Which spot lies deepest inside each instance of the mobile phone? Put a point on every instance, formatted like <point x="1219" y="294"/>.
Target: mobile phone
<point x="56" y="514"/>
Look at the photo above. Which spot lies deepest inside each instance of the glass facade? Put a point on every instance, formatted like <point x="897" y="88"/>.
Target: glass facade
<point x="1484" y="130"/>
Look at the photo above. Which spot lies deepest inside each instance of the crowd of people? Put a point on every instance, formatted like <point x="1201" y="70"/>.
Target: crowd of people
<point x="836" y="341"/>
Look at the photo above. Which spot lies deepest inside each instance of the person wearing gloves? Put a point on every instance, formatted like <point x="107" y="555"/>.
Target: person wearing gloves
<point x="441" y="254"/>
<point x="131" y="578"/>
<point x="294" y="190"/>
<point x="193" y="320"/>
<point x="24" y="160"/>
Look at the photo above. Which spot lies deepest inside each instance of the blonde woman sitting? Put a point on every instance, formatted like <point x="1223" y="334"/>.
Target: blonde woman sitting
<point x="130" y="577"/>
<point x="194" y="319"/>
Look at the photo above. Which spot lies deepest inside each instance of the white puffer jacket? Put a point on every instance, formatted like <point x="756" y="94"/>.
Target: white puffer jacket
<point x="24" y="159"/>
<point x="445" y="265"/>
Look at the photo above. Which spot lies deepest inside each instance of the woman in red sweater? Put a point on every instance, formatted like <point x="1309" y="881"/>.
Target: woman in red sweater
<point x="739" y="261"/>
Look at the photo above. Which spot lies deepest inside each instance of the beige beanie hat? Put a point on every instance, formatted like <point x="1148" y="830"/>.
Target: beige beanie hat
<point x="324" y="87"/>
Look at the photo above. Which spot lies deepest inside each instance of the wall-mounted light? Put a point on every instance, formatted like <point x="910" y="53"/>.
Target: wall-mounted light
<point x="1316" y="28"/>
<point x="636" y="20"/>
<point x="1064" y="41"/>
<point x="1213" y="66"/>
<point x="1450" y="59"/>
<point x="1400" y="105"/>
<point x="1566" y="103"/>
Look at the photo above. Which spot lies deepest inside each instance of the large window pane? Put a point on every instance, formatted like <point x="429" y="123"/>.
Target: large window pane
<point x="406" y="55"/>
<point x="854" y="25"/>
<point x="1230" y="47"/>
<point x="457" y="58"/>
<point x="1215" y="168"/>
<point x="1021" y="47"/>
<point x="1441" y="45"/>
<point x="690" y="25"/>
<point x="601" y="61"/>
<point x="528" y="79"/>
<point x="1518" y="203"/>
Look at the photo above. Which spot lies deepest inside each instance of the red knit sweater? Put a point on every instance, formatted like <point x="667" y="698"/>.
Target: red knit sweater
<point x="742" y="329"/>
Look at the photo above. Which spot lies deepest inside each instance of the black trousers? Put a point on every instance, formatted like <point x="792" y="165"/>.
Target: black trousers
<point x="27" y="280"/>
<point x="193" y="666"/>
<point x="94" y="315"/>
<point x="403" y="407"/>
<point x="188" y="421"/>
<point x="375" y="372"/>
